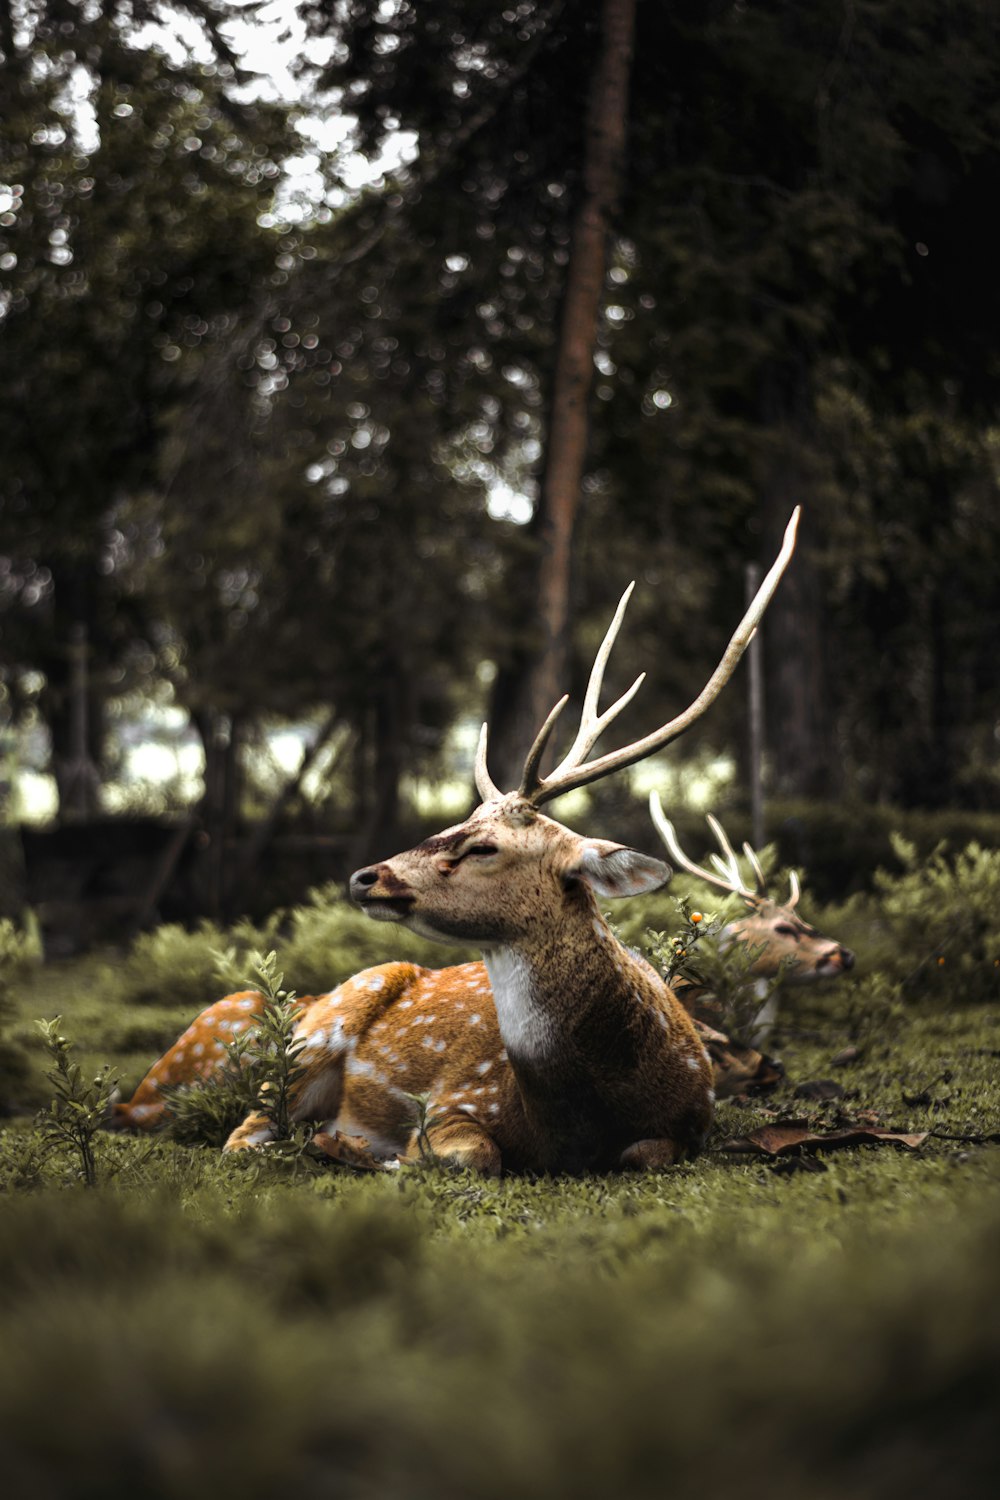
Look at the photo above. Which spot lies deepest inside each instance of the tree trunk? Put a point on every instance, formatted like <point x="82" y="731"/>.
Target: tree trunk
<point x="799" y="727"/>
<point x="528" y="685"/>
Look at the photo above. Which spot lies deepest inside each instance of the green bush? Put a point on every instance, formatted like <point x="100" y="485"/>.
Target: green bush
<point x="172" y="966"/>
<point x="20" y="950"/>
<point x="326" y="940"/>
<point x="944" y="915"/>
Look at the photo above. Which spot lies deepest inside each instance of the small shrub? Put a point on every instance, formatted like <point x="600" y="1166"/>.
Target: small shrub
<point x="328" y="940"/>
<point x="172" y="966"/>
<point x="700" y="955"/>
<point x="78" y="1110"/>
<point x="944" y="913"/>
<point x="261" y="1070"/>
<point x="207" y="1111"/>
<point x="20" y="949"/>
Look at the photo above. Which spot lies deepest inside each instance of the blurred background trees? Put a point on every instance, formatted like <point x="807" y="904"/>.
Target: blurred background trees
<point x="282" y="455"/>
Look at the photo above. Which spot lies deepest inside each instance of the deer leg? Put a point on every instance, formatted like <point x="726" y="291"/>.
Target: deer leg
<point x="651" y="1155"/>
<point x="458" y="1142"/>
<point x="255" y="1131"/>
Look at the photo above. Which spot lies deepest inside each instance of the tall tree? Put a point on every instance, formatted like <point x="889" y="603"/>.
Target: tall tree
<point x="529" y="685"/>
<point x="135" y="183"/>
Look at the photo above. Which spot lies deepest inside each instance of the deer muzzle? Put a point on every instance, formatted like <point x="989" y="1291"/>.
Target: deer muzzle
<point x="381" y="894"/>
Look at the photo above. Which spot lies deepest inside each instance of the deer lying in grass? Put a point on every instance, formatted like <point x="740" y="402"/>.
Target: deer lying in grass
<point x="564" y="1051"/>
<point x="422" y="998"/>
<point x="782" y="945"/>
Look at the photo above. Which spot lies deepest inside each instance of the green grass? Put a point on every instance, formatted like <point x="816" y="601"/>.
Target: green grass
<point x="201" y="1324"/>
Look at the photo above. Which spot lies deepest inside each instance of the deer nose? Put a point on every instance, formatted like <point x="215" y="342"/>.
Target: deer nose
<point x="362" y="880"/>
<point x="846" y="959"/>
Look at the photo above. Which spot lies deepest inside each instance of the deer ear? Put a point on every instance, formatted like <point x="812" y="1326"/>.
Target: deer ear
<point x="612" y="870"/>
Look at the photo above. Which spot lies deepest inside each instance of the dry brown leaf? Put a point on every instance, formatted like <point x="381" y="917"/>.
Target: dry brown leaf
<point x="792" y="1135"/>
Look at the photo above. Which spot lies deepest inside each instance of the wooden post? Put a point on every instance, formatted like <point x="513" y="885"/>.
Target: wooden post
<point x="79" y="795"/>
<point x="755" y="690"/>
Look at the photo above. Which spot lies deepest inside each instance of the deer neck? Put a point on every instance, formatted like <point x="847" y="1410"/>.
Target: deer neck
<point x="548" y="983"/>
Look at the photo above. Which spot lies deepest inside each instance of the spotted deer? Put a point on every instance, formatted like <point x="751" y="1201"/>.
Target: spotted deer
<point x="443" y="1008"/>
<point x="784" y="943"/>
<point x="563" y="1050"/>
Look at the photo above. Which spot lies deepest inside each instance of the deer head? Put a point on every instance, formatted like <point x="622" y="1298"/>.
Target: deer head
<point x="499" y="875"/>
<point x="784" y="938"/>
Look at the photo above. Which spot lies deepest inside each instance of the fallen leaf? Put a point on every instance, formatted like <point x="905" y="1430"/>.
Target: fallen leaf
<point x="845" y="1057"/>
<point x="793" y="1135"/>
<point x="352" y="1151"/>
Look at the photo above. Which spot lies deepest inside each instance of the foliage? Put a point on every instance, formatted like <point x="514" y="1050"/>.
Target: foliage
<point x="205" y="1111"/>
<point x="326" y="939"/>
<point x="172" y="966"/>
<point x="20" y="949"/>
<point x="943" y="915"/>
<point x="680" y="954"/>
<point x="701" y="955"/>
<point x="277" y="1065"/>
<point x="262" y="1066"/>
<point x="78" y="1109"/>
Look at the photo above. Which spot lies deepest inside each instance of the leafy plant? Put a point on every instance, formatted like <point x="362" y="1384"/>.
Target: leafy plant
<point x="260" y="1071"/>
<point x="207" y="1110"/>
<point x="944" y="912"/>
<point x="700" y="955"/>
<point x="276" y="1051"/>
<point x="327" y="940"/>
<point x="20" y="948"/>
<point x="78" y="1109"/>
<point x="172" y="966"/>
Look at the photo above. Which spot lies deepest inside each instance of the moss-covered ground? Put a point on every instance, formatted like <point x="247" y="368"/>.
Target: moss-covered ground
<point x="199" y="1325"/>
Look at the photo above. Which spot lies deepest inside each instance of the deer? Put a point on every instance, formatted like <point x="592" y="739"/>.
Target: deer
<point x="411" y="997"/>
<point x="562" y="1051"/>
<point x="781" y="942"/>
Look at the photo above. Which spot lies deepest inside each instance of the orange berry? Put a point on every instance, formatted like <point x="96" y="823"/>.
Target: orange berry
<point x="940" y="962"/>
<point x="696" y="916"/>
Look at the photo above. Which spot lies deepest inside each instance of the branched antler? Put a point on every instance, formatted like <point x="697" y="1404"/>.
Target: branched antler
<point x="574" y="769"/>
<point x="726" y="866"/>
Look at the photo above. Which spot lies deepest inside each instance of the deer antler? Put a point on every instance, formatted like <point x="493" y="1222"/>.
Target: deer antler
<point x="574" y="769"/>
<point x="728" y="877"/>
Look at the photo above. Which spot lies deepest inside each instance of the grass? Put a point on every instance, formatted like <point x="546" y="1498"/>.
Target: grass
<point x="200" y="1323"/>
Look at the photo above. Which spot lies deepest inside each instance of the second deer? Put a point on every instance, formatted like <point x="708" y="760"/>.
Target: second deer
<point x="784" y="944"/>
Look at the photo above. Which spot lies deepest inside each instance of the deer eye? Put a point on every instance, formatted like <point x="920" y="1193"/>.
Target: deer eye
<point x="482" y="849"/>
<point x="784" y="930"/>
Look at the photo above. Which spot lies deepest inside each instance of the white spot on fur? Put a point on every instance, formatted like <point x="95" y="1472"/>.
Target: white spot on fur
<point x="483" y="1067"/>
<point x="475" y="1019"/>
<point x="693" y="1064"/>
<point x="248" y="1004"/>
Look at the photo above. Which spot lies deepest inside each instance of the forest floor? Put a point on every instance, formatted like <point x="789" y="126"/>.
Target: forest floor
<point x="813" y="1323"/>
